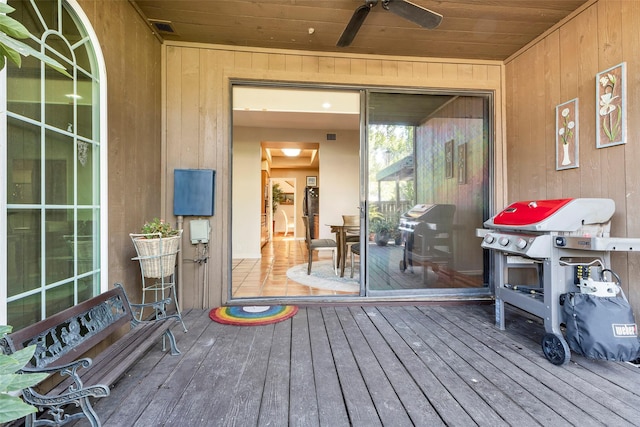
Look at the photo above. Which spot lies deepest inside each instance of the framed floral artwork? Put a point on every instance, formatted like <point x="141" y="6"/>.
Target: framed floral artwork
<point x="462" y="163"/>
<point x="567" y="135"/>
<point x="612" y="106"/>
<point x="448" y="159"/>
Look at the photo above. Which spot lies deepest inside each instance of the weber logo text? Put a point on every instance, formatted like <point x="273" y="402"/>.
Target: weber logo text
<point x="625" y="331"/>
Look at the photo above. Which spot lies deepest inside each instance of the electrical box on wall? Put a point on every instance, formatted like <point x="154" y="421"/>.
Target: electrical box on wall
<point x="193" y="192"/>
<point x="199" y="231"/>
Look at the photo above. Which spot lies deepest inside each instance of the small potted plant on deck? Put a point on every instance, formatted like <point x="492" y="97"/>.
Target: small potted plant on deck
<point x="383" y="230"/>
<point x="157" y="246"/>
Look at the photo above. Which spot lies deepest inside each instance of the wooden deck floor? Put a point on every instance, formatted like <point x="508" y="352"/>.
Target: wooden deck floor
<point x="368" y="366"/>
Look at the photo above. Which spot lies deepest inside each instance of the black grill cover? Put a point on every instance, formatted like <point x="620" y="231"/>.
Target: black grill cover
<point x="601" y="327"/>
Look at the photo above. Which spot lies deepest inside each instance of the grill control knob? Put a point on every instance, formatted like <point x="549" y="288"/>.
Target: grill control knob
<point x="488" y="238"/>
<point x="504" y="241"/>
<point x="521" y="243"/>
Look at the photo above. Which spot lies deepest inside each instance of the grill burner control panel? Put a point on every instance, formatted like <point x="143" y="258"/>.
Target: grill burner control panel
<point x="532" y="246"/>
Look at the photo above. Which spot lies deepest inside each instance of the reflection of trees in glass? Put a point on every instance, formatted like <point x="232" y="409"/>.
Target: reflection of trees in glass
<point x="387" y="145"/>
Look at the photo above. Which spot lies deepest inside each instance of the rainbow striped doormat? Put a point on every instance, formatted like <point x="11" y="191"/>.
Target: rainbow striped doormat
<point x="252" y="315"/>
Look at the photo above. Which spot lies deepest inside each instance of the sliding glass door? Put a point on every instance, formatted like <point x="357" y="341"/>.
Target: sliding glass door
<point x="426" y="186"/>
<point x="414" y="169"/>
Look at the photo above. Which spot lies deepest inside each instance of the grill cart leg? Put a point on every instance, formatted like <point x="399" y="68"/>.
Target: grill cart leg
<point x="500" y="314"/>
<point x="556" y="349"/>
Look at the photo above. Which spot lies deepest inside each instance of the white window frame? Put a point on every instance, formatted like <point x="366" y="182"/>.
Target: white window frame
<point x="103" y="189"/>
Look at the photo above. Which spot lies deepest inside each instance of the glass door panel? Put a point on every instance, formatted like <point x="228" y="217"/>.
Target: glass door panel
<point x="427" y="190"/>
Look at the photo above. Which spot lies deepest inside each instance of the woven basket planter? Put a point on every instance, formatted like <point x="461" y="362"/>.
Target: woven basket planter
<point x="157" y="262"/>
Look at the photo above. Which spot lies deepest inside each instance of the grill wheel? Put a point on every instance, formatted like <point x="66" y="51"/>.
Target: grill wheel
<point x="556" y="349"/>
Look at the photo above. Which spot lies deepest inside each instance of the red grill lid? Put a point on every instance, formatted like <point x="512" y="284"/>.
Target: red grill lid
<point x="529" y="212"/>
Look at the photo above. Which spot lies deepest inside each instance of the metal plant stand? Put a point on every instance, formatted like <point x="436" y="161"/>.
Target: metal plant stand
<point x="157" y="258"/>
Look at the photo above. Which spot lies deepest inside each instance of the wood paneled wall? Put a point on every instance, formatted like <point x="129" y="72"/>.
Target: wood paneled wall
<point x="463" y="123"/>
<point x="562" y="66"/>
<point x="196" y="124"/>
<point x="132" y="59"/>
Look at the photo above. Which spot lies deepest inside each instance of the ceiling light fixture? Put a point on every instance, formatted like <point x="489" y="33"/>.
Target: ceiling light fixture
<point x="291" y="152"/>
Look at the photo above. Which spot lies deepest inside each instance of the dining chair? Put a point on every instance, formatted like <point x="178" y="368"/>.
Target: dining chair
<point x="355" y="250"/>
<point x="351" y="225"/>
<point x="288" y="226"/>
<point x="318" y="245"/>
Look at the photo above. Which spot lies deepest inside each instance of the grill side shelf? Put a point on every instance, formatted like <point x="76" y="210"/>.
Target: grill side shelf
<point x="610" y="244"/>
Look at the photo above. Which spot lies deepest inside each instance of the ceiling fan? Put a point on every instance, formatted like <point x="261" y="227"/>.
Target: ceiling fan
<point x="403" y="8"/>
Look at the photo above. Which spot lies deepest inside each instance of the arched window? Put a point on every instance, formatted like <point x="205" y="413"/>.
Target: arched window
<point x="51" y="170"/>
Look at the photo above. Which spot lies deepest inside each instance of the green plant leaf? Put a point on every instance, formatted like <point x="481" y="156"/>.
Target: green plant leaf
<point x="11" y="54"/>
<point x="26" y="50"/>
<point x="5" y="329"/>
<point x="5" y="8"/>
<point x="16" y="382"/>
<point x="11" y="363"/>
<point x="13" y="28"/>
<point x="13" y="408"/>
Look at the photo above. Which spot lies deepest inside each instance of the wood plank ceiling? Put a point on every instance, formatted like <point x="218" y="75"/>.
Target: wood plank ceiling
<point x="471" y="29"/>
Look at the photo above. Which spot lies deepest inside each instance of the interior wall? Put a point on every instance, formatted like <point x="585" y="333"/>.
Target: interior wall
<point x="246" y="196"/>
<point x="562" y="66"/>
<point x="339" y="180"/>
<point x="196" y="128"/>
<point x="132" y="58"/>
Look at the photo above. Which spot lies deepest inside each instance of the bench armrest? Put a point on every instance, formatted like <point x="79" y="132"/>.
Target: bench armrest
<point x="157" y="306"/>
<point x="136" y="309"/>
<point x="68" y="369"/>
<point x="70" y="392"/>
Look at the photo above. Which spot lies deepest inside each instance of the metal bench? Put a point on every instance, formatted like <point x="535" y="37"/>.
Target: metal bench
<point x="62" y="339"/>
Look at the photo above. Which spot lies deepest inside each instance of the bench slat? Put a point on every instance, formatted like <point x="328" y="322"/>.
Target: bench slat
<point x="116" y="359"/>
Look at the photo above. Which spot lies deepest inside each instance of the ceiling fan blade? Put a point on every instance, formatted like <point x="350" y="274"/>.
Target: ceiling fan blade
<point x="354" y="25"/>
<point x="414" y="13"/>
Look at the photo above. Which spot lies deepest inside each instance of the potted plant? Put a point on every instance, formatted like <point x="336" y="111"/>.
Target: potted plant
<point x="396" y="234"/>
<point x="382" y="229"/>
<point x="277" y="195"/>
<point x="159" y="228"/>
<point x="157" y="246"/>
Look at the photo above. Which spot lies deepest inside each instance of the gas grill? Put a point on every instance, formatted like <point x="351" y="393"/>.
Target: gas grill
<point x="426" y="232"/>
<point x="542" y="249"/>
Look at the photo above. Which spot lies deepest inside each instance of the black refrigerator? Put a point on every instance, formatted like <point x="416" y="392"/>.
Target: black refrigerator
<point x="310" y="207"/>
